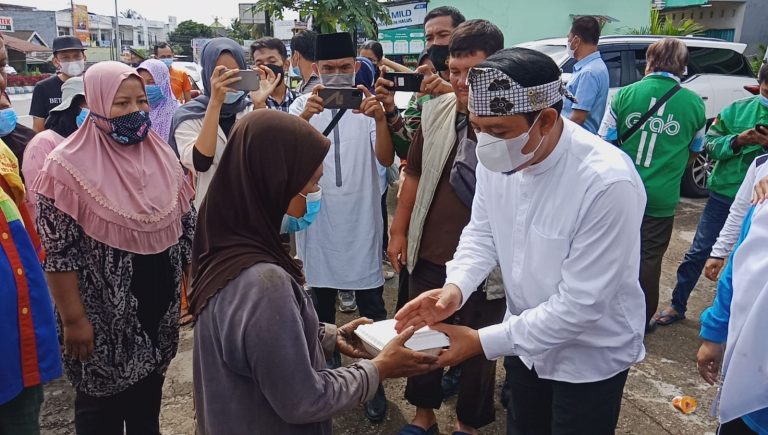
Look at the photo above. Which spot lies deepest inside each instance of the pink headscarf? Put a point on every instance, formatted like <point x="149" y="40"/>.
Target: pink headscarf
<point x="128" y="197"/>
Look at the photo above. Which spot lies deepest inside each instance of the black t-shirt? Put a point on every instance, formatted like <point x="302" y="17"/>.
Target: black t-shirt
<point x="46" y="96"/>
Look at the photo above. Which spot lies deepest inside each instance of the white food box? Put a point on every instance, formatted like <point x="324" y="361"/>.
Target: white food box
<point x="376" y="336"/>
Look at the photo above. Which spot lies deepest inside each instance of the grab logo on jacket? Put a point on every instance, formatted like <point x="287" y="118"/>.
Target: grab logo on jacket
<point x="656" y="125"/>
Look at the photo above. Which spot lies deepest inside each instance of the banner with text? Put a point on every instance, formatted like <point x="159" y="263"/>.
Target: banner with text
<point x="409" y="40"/>
<point x="407" y="15"/>
<point x="81" y="25"/>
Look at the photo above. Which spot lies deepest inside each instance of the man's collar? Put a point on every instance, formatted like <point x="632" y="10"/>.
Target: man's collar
<point x="554" y="156"/>
<point x="664" y="74"/>
<point x="583" y="62"/>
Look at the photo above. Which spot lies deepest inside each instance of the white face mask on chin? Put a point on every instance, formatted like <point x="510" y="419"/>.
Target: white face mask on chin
<point x="505" y="155"/>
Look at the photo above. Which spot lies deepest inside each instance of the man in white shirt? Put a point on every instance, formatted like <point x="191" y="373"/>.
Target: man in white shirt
<point x="560" y="211"/>
<point x="342" y="249"/>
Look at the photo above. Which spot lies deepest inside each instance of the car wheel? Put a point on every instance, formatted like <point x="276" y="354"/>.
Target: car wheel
<point x="694" y="182"/>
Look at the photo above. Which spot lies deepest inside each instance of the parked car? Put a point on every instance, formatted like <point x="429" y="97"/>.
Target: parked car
<point x="717" y="70"/>
<point x="194" y="71"/>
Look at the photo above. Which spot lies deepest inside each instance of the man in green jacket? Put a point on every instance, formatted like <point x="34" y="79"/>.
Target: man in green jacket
<point x="735" y="139"/>
<point x="661" y="149"/>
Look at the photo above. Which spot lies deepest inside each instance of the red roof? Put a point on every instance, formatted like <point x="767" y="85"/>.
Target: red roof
<point x="22" y="45"/>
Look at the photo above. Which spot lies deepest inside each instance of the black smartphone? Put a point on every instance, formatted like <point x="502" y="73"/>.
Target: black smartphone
<point x="405" y="82"/>
<point x="341" y="98"/>
<point x="762" y="128"/>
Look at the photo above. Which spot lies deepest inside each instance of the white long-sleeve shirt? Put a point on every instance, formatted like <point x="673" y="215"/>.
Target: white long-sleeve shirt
<point x="741" y="204"/>
<point x="566" y="233"/>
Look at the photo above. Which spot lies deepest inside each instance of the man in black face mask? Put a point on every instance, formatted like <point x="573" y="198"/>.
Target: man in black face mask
<point x="439" y="24"/>
<point x="270" y="53"/>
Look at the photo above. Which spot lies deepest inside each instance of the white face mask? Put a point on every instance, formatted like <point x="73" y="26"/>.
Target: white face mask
<point x="73" y="69"/>
<point x="504" y="155"/>
<point x="338" y="80"/>
<point x="571" y="51"/>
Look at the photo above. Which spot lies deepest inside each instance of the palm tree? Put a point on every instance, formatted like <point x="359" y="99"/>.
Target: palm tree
<point x="661" y="25"/>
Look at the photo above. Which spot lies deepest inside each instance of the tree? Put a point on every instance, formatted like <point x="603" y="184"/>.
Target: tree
<point x="240" y="32"/>
<point x="130" y="13"/>
<point x="660" y="25"/>
<point x="185" y="32"/>
<point x="328" y="14"/>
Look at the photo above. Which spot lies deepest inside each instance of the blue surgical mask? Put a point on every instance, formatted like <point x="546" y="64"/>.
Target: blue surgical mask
<point x="232" y="97"/>
<point x="7" y="121"/>
<point x="295" y="71"/>
<point x="293" y="224"/>
<point x="81" y="117"/>
<point x="764" y="100"/>
<point x="154" y="94"/>
<point x="167" y="61"/>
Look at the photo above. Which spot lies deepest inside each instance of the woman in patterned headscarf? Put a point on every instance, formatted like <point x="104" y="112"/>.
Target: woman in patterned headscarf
<point x="162" y="103"/>
<point x="116" y="222"/>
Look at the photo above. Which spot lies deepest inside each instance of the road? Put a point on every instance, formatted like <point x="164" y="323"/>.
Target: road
<point x="21" y="104"/>
<point x="668" y="370"/>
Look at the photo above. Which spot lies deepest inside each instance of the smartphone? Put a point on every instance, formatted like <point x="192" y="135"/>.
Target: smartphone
<point x="341" y="98"/>
<point x="405" y="82"/>
<point x="762" y="128"/>
<point x="250" y="81"/>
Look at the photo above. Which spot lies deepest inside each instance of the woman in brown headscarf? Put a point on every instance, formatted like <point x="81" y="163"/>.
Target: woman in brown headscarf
<point x="259" y="357"/>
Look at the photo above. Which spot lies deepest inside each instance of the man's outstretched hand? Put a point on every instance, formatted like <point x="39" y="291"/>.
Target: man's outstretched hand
<point x="429" y="308"/>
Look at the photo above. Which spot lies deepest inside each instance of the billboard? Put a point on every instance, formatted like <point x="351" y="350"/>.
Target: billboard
<point x="81" y="25"/>
<point x="6" y="24"/>
<point x="408" y="15"/>
<point x="409" y="40"/>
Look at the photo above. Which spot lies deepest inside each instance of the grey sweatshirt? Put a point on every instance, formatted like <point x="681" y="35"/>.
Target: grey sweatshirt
<point x="259" y="361"/>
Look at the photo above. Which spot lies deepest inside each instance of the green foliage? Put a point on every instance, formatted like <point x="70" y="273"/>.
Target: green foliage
<point x="328" y="14"/>
<point x="659" y="25"/>
<point x="756" y="61"/>
<point x="240" y="32"/>
<point x="142" y="52"/>
<point x="181" y="38"/>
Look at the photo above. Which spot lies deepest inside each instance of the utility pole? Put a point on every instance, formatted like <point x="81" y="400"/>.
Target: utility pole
<point x="118" y="42"/>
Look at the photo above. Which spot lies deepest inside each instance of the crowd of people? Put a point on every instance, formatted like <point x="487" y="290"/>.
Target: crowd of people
<point x="532" y="219"/>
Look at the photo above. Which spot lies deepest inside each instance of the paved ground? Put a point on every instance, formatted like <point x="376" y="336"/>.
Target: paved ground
<point x="668" y="370"/>
<point x="21" y="104"/>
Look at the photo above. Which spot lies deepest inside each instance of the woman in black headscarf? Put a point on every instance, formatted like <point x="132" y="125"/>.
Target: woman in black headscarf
<point x="259" y="355"/>
<point x="200" y="128"/>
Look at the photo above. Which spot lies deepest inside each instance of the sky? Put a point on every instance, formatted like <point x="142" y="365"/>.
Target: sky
<point x="202" y="11"/>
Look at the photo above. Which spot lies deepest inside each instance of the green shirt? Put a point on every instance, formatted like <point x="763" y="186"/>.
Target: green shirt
<point x="731" y="167"/>
<point x="661" y="148"/>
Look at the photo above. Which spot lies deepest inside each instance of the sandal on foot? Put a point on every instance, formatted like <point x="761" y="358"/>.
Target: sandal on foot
<point x="667" y="317"/>
<point x="412" y="429"/>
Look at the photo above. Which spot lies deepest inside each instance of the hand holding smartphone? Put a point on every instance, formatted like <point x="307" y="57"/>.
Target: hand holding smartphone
<point x="405" y="82"/>
<point x="341" y="98"/>
<point x="250" y="81"/>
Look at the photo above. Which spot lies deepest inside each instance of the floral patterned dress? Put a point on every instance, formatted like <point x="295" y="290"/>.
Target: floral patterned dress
<point x="131" y="300"/>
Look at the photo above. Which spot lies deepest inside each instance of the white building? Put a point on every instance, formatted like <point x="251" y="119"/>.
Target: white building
<point x="137" y="33"/>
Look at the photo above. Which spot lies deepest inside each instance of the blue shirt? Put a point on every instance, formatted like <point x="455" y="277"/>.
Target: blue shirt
<point x="714" y="322"/>
<point x="589" y="84"/>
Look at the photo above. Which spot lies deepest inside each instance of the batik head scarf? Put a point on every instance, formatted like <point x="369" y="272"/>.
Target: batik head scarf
<point x="162" y="112"/>
<point x="128" y="197"/>
<point x="269" y="158"/>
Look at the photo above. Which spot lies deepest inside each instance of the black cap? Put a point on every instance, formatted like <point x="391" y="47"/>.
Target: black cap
<point x="62" y="43"/>
<point x="330" y="46"/>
